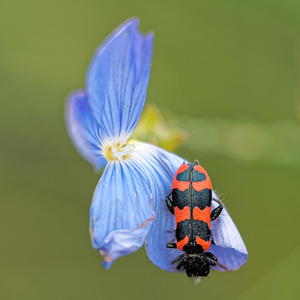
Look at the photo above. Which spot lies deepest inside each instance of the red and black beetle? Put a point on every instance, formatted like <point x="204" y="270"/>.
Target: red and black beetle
<point x="191" y="205"/>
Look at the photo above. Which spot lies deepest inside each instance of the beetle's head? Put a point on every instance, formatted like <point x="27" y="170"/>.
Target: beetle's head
<point x="196" y="265"/>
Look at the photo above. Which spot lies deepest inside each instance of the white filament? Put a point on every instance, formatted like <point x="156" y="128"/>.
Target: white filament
<point x="119" y="154"/>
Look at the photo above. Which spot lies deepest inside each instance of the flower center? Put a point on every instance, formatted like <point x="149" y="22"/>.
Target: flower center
<point x="117" y="150"/>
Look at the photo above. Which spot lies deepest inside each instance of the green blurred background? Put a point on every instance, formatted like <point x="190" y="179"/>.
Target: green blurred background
<point x="226" y="71"/>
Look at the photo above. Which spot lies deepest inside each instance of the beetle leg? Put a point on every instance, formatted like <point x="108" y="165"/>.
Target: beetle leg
<point x="216" y="212"/>
<point x="171" y="245"/>
<point x="169" y="203"/>
<point x="178" y="259"/>
<point x="180" y="265"/>
<point x="196" y="162"/>
<point x="210" y="256"/>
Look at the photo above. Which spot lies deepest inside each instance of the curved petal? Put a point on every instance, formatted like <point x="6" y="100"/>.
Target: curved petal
<point x="160" y="167"/>
<point x="121" y="211"/>
<point x="118" y="78"/>
<point x="229" y="247"/>
<point x="84" y="129"/>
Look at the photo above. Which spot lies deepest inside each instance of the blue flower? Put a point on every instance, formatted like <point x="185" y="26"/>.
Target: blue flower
<point x="128" y="207"/>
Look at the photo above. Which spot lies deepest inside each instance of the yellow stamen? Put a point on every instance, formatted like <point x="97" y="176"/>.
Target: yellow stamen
<point x="118" y="150"/>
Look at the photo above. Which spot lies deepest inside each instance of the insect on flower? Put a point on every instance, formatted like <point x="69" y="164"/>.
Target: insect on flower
<point x="203" y="227"/>
<point x="128" y="207"/>
<point x="191" y="204"/>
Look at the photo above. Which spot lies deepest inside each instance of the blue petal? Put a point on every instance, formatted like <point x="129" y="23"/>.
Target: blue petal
<point x="84" y="129"/>
<point x="121" y="211"/>
<point x="122" y="242"/>
<point x="118" y="78"/>
<point x="160" y="167"/>
<point x="229" y="247"/>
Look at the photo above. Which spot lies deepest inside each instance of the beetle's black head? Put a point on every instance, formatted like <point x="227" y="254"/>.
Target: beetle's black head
<point x="196" y="265"/>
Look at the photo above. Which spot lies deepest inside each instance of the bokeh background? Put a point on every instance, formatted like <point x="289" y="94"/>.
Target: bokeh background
<point x="228" y="72"/>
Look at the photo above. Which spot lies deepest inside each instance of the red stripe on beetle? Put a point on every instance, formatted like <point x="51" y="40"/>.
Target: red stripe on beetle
<point x="200" y="169"/>
<point x="202" y="215"/>
<point x="182" y="214"/>
<point x="201" y="185"/>
<point x="205" y="245"/>
<point x="182" y="243"/>
<point x="181" y="185"/>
